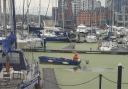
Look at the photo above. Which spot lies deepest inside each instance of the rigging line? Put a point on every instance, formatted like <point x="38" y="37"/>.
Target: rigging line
<point x="47" y="8"/>
<point x="112" y="80"/>
<point x="124" y="83"/>
<point x="72" y="84"/>
<point x="109" y="79"/>
<point x="28" y="5"/>
<point x="23" y="13"/>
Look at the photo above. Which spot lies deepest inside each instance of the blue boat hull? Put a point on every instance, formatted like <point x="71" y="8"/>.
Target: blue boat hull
<point x="63" y="39"/>
<point x="63" y="61"/>
<point x="29" y="84"/>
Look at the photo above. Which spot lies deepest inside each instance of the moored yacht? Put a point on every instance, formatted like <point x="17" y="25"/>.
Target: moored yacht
<point x="91" y="38"/>
<point x="106" y="45"/>
<point x="15" y="71"/>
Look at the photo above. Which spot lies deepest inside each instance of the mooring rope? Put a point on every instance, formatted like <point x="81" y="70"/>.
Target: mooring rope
<point x="78" y="84"/>
<point x="111" y="80"/>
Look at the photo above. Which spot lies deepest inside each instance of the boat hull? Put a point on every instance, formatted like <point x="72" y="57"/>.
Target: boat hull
<point x="63" y="39"/>
<point x="30" y="84"/>
<point x="63" y="61"/>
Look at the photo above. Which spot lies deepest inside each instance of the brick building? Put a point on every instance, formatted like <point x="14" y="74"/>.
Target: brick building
<point x="65" y="15"/>
<point x="78" y="5"/>
<point x="84" y="17"/>
<point x="97" y="17"/>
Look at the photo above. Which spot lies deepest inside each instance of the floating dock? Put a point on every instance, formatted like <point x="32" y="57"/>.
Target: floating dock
<point x="49" y="79"/>
<point x="79" y="51"/>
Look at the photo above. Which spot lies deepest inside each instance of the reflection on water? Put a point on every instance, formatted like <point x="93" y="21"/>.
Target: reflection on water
<point x="90" y="69"/>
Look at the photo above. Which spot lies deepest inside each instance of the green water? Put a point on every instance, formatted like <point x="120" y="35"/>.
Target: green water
<point x="78" y="46"/>
<point x="96" y="66"/>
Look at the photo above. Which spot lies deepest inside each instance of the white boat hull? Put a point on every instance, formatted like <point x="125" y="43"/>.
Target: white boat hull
<point x="91" y="39"/>
<point x="105" y="48"/>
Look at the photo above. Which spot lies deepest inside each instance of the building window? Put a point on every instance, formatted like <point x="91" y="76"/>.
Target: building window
<point x="120" y="17"/>
<point x="126" y="17"/>
<point x="120" y="24"/>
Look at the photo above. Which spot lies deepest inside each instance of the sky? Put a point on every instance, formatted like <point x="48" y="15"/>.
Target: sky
<point x="102" y="2"/>
<point x="34" y="6"/>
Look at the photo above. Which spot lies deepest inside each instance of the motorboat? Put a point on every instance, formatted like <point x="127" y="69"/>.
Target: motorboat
<point x="107" y="45"/>
<point x="91" y="39"/>
<point x="55" y="60"/>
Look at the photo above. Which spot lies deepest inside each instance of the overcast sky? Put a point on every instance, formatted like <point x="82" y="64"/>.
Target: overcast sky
<point x="44" y="3"/>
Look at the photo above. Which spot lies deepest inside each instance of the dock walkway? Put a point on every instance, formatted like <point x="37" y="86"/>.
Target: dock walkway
<point x="49" y="79"/>
<point x="91" y="51"/>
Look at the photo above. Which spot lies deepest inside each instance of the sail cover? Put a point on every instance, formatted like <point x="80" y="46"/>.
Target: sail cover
<point x="7" y="44"/>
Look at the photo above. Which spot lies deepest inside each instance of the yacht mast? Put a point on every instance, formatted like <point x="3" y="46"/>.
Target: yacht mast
<point x="112" y="15"/>
<point x="92" y="15"/>
<point x="0" y="14"/>
<point x="55" y="13"/>
<point x="23" y="17"/>
<point x="39" y="13"/>
<point x="100" y="16"/>
<point x="4" y="18"/>
<point x="14" y="19"/>
<point x="63" y="14"/>
<point x="28" y="3"/>
<point x="10" y="14"/>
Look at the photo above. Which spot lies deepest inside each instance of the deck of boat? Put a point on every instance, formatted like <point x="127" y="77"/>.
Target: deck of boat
<point x="9" y="84"/>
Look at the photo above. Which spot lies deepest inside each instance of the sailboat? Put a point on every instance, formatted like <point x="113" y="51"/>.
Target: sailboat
<point x="55" y="33"/>
<point x="107" y="45"/>
<point x="81" y="32"/>
<point x="15" y="71"/>
<point x="25" y="39"/>
<point x="91" y="37"/>
<point x="112" y="41"/>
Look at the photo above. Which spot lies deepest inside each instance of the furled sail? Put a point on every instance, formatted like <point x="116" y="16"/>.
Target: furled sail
<point x="7" y="44"/>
